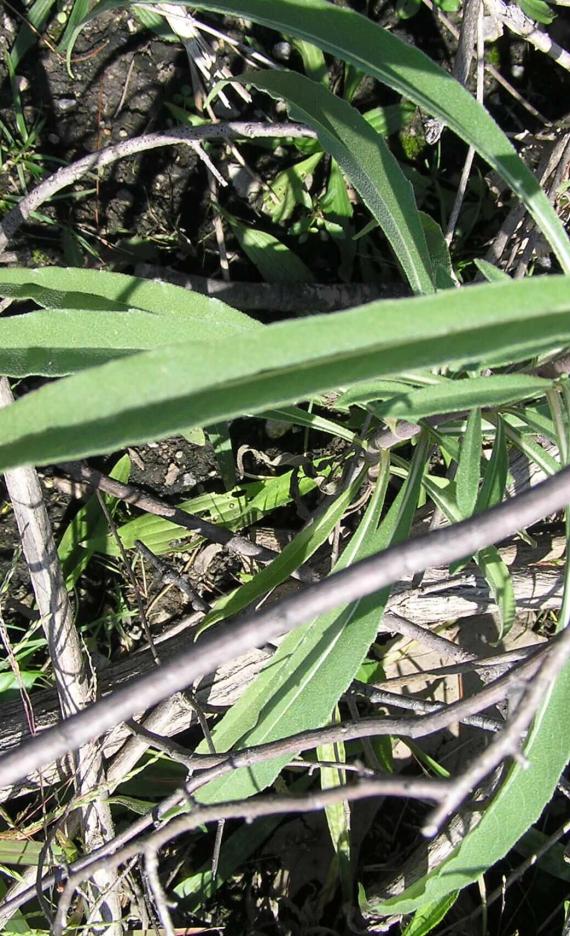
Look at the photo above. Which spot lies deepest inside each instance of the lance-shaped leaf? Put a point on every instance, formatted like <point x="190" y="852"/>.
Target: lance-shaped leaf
<point x="157" y="393"/>
<point x="363" y="155"/>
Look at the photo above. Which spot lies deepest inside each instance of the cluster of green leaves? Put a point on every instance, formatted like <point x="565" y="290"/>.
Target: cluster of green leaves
<point x="133" y="361"/>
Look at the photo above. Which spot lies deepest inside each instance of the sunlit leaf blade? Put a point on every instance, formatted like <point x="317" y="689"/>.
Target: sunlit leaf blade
<point x="156" y="393"/>
<point x="338" y="815"/>
<point x="365" y="158"/>
<point x="295" y="553"/>
<point x="55" y="342"/>
<point x="377" y="52"/>
<point x="74" y="288"/>
<point x="315" y="664"/>
<point x="233" y="509"/>
<point x="469" y="466"/>
<point x="456" y="395"/>
<point x="499" y="579"/>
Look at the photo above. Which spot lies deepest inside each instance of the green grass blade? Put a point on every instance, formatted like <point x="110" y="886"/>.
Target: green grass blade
<point x="306" y="676"/>
<point x="27" y="37"/>
<point x="427" y="917"/>
<point x="235" y="510"/>
<point x="276" y="262"/>
<point x="295" y="553"/>
<point x="495" y="475"/>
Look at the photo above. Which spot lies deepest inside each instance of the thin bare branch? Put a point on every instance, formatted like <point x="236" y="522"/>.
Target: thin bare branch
<point x="104" y="157"/>
<point x="439" y="547"/>
<point x="533" y="695"/>
<point x="237" y="544"/>
<point x="212" y="766"/>
<point x="277" y="297"/>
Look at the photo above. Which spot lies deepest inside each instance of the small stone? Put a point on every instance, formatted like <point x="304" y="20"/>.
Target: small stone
<point x="53" y="138"/>
<point x="123" y="133"/>
<point x="22" y="83"/>
<point x="179" y="455"/>
<point x="282" y="51"/>
<point x="171" y="474"/>
<point x="64" y="105"/>
<point x="517" y="71"/>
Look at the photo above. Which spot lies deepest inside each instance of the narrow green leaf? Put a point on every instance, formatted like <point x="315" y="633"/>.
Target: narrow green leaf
<point x="429" y="915"/>
<point x="276" y="262"/>
<point x="337" y="814"/>
<point x="364" y="157"/>
<point x="79" y="11"/>
<point x="78" y="542"/>
<point x="22" y="852"/>
<point x="313" y="60"/>
<point x="496" y="471"/>
<point x="219" y="435"/>
<point x="527" y="446"/>
<point x="37" y="16"/>
<point x="160" y="392"/>
<point x="498" y="576"/>
<point x="235" y="510"/>
<point x="439" y="253"/>
<point x="457" y="395"/>
<point x="295" y="553"/>
<point x="368" y="392"/>
<point x="300" y="417"/>
<point x="491" y="273"/>
<point x="469" y="466"/>
<point x="74" y="288"/>
<point x="489" y="560"/>
<point x="307" y="674"/>
<point x="314" y="665"/>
